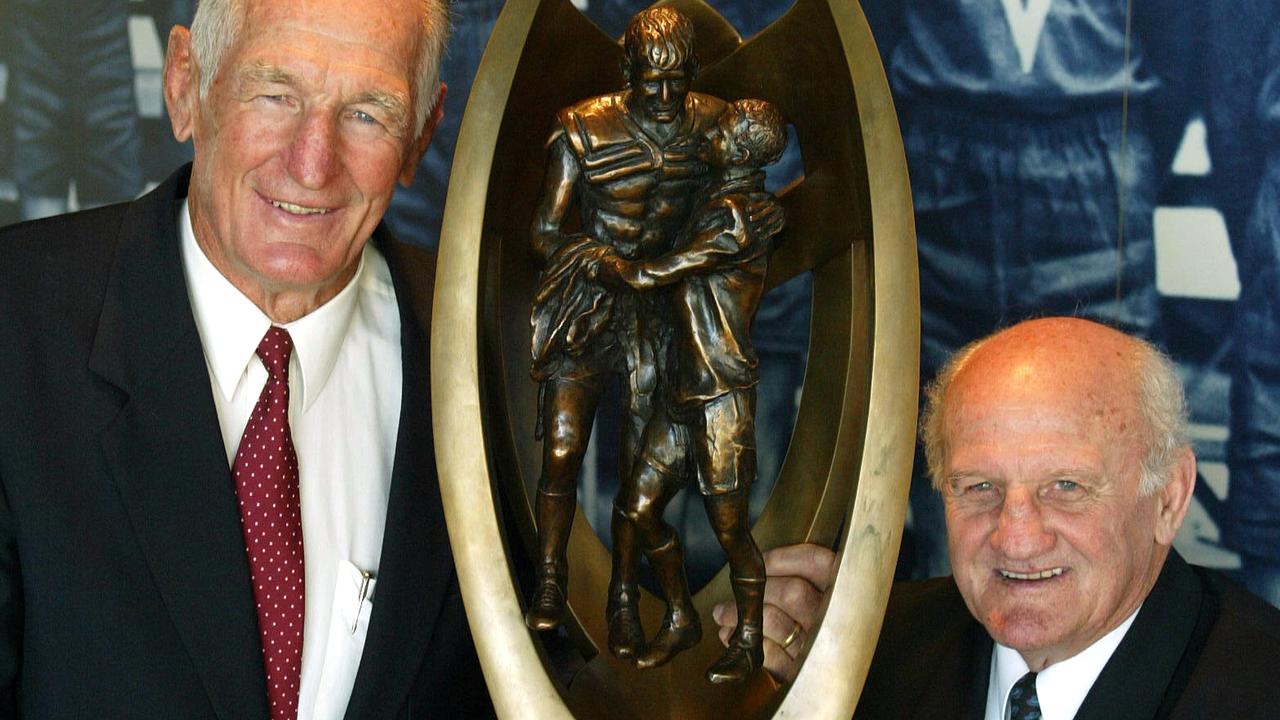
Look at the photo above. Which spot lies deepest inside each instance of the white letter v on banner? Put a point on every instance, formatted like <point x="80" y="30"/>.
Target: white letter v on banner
<point x="1026" y="22"/>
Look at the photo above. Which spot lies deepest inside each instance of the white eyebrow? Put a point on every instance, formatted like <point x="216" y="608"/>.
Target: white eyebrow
<point x="397" y="108"/>
<point x="268" y="73"/>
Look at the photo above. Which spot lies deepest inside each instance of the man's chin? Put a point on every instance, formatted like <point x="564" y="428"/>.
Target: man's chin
<point x="1024" y="628"/>
<point x="293" y="265"/>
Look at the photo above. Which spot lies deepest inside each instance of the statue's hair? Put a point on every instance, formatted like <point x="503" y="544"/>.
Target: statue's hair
<point x="217" y="24"/>
<point x="760" y="129"/>
<point x="1159" y="395"/>
<point x="661" y="37"/>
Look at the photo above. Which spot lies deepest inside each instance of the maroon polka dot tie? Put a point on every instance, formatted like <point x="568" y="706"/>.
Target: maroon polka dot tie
<point x="266" y="474"/>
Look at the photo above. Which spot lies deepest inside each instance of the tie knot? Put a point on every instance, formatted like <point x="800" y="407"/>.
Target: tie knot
<point x="275" y="349"/>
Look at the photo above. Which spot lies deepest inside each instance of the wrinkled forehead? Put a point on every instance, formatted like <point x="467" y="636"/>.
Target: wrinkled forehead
<point x="391" y="28"/>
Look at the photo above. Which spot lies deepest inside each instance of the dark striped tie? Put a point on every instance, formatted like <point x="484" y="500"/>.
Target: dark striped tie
<point x="1024" y="704"/>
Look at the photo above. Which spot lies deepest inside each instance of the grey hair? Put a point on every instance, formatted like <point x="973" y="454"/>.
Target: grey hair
<point x="932" y="435"/>
<point x="1161" y="400"/>
<point x="217" y="23"/>
<point x="1163" y="404"/>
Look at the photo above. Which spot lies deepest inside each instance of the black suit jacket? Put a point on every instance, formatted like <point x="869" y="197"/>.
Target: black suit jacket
<point x="124" y="585"/>
<point x="1200" y="647"/>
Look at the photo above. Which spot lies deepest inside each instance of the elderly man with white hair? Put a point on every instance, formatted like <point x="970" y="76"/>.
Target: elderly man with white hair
<point x="217" y="484"/>
<point x="1060" y="448"/>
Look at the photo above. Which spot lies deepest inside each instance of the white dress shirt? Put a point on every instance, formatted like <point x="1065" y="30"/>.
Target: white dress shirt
<point x="1062" y="686"/>
<point x="344" y="412"/>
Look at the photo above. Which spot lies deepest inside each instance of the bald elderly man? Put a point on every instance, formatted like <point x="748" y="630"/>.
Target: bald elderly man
<point x="1060" y="449"/>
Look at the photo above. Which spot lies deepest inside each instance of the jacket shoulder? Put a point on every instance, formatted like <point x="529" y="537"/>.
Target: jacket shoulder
<point x="79" y="236"/>
<point x="46" y="264"/>
<point x="413" y="271"/>
<point x="1234" y="675"/>
<point x="419" y="261"/>
<point x="929" y="650"/>
<point x="923" y="603"/>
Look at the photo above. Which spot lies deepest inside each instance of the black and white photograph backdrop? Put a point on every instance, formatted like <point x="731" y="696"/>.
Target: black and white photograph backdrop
<point x="1111" y="159"/>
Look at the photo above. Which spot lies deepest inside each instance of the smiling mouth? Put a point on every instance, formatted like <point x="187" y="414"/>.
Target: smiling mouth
<point x="1041" y="575"/>
<point x="298" y="209"/>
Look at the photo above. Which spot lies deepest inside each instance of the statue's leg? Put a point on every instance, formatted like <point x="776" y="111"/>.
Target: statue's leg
<point x="681" y="628"/>
<point x="659" y="472"/>
<point x="723" y="439"/>
<point x="622" y="611"/>
<point x="728" y="514"/>
<point x="639" y="366"/>
<point x="570" y="407"/>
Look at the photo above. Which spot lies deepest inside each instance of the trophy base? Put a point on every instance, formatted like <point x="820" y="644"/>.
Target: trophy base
<point x="607" y="687"/>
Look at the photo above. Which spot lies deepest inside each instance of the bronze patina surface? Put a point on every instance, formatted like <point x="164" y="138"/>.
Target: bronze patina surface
<point x="659" y="288"/>
<point x="848" y="221"/>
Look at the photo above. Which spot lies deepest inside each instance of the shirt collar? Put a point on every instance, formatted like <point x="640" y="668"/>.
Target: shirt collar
<point x="231" y="326"/>
<point x="1062" y="686"/>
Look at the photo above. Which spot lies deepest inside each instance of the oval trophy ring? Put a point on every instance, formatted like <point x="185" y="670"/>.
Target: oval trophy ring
<point x="845" y="477"/>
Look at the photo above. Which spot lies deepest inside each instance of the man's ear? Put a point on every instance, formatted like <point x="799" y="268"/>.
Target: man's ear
<point x="1175" y="497"/>
<point x="414" y="157"/>
<point x="181" y="83"/>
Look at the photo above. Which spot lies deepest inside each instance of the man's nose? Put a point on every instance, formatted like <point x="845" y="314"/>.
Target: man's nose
<point x="1021" y="532"/>
<point x="666" y="92"/>
<point x="313" y="154"/>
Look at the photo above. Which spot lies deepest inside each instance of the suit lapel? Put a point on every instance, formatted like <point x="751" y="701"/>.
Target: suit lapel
<point x="416" y="564"/>
<point x="1156" y="643"/>
<point x="165" y="453"/>
<point x="976" y="706"/>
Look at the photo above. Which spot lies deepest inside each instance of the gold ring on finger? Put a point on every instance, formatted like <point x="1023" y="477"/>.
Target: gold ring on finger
<point x="795" y="633"/>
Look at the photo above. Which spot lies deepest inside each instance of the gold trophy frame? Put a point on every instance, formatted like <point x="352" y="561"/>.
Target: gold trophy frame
<point x="844" y="482"/>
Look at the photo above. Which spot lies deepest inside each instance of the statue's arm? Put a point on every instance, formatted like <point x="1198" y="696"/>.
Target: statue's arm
<point x="708" y="250"/>
<point x="563" y="172"/>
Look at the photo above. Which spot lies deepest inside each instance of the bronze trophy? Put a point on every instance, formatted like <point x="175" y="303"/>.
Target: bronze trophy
<point x="634" y="245"/>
